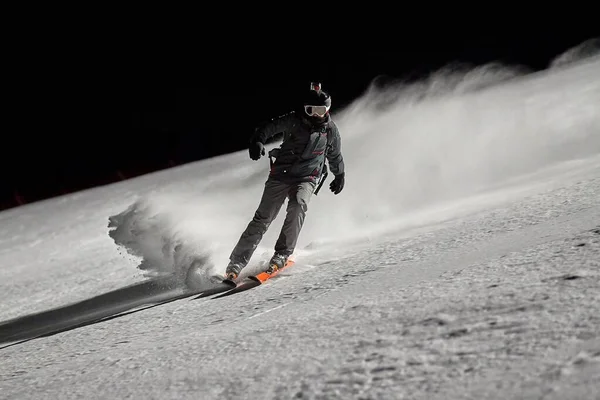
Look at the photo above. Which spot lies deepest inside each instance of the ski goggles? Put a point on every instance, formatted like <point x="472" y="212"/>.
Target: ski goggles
<point x="316" y="111"/>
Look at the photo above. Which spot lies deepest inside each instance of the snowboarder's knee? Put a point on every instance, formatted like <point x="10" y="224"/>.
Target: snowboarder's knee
<point x="299" y="204"/>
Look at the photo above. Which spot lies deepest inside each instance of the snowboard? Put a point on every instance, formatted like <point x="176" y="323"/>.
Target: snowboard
<point x="228" y="287"/>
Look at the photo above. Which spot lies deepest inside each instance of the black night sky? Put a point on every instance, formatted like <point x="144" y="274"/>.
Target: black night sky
<point x="115" y="110"/>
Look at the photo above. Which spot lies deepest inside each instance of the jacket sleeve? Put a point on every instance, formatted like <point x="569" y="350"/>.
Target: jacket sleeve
<point x="280" y="124"/>
<point x="334" y="155"/>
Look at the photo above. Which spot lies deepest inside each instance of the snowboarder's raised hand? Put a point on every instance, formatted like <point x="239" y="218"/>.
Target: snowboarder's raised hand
<point x="337" y="185"/>
<point x="256" y="150"/>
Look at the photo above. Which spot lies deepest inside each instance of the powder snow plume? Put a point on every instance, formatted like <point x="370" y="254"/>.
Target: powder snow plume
<point x="407" y="147"/>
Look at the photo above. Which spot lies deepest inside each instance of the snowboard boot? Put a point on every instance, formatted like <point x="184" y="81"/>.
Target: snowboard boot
<point x="233" y="271"/>
<point x="277" y="262"/>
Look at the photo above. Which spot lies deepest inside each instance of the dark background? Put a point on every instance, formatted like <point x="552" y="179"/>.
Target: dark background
<point x="82" y="118"/>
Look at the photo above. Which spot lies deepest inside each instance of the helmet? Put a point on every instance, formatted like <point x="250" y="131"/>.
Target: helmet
<point x="317" y="102"/>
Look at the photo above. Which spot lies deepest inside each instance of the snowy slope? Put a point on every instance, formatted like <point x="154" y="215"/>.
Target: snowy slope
<point x="461" y="260"/>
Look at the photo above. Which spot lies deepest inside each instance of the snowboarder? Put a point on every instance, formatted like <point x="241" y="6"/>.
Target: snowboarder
<point x="310" y="137"/>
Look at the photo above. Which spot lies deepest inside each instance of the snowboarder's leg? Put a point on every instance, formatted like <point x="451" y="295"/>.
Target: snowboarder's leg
<point x="274" y="195"/>
<point x="299" y="198"/>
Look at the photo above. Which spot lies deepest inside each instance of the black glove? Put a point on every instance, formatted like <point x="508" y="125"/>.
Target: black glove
<point x="256" y="150"/>
<point x="337" y="184"/>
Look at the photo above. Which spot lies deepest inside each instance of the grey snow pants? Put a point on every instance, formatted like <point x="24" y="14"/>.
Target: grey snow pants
<point x="274" y="194"/>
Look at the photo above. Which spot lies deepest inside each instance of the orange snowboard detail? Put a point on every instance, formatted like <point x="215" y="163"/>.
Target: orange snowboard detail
<point x="263" y="276"/>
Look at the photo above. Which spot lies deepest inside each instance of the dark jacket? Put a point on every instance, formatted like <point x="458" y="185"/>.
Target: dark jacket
<point x="307" y="143"/>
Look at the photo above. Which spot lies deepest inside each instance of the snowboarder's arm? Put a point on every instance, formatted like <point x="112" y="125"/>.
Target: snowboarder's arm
<point x="334" y="155"/>
<point x="276" y="125"/>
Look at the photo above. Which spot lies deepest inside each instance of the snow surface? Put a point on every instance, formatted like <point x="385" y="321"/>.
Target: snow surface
<point x="462" y="260"/>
